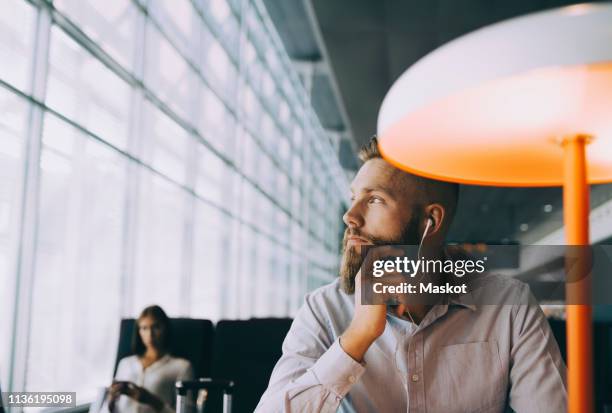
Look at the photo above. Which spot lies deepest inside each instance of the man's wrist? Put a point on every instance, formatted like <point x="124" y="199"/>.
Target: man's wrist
<point x="355" y="343"/>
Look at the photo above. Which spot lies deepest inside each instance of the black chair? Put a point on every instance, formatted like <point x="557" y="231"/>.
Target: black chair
<point x="192" y="339"/>
<point x="246" y="351"/>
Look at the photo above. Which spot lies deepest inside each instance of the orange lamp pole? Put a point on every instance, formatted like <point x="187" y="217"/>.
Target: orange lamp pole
<point x="579" y="316"/>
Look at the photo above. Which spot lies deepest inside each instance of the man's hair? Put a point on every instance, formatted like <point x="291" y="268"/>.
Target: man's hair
<point x="444" y="193"/>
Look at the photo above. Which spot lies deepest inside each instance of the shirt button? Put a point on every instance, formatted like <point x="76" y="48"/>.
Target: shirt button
<point x="351" y="379"/>
<point x="415" y="377"/>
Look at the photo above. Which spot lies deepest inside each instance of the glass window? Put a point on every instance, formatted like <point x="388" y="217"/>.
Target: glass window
<point x="159" y="245"/>
<point x="252" y="108"/>
<point x="219" y="9"/>
<point x="255" y="28"/>
<point x="250" y="196"/>
<point x="250" y="54"/>
<point x="268" y="132"/>
<point x="213" y="177"/>
<point x="284" y="151"/>
<point x="274" y="61"/>
<point x="250" y="155"/>
<point x="218" y="68"/>
<point x="267" y="85"/>
<point x="256" y="73"/>
<point x="167" y="74"/>
<point x="83" y="89"/>
<point x="284" y="113"/>
<point x="180" y="23"/>
<point x="111" y="24"/>
<point x="262" y="268"/>
<point x="225" y="21"/>
<point x="248" y="278"/>
<point x="16" y="42"/>
<point x="166" y="145"/>
<point x="115" y="235"/>
<point x="12" y="138"/>
<point x="210" y="264"/>
<point x="217" y="123"/>
<point x="76" y="293"/>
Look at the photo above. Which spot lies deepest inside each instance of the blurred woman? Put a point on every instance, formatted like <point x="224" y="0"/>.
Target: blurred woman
<point x="145" y="381"/>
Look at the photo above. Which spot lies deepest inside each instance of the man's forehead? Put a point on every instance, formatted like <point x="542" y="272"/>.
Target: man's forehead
<point x="379" y="174"/>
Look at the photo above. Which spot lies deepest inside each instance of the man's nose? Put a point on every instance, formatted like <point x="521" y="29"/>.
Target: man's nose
<point x="353" y="218"/>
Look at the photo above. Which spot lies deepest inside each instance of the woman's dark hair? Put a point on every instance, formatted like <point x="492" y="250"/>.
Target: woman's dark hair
<point x="159" y="315"/>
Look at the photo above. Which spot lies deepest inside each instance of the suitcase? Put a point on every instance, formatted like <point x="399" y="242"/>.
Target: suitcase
<point x="183" y="388"/>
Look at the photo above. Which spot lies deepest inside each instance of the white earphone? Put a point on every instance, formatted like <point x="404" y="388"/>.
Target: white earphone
<point x="430" y="222"/>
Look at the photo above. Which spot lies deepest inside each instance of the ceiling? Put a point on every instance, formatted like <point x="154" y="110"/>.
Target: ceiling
<point x="358" y="48"/>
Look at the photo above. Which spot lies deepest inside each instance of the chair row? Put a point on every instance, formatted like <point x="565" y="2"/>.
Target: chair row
<point x="244" y="351"/>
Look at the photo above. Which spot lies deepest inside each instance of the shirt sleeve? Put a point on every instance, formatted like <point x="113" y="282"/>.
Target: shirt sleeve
<point x="537" y="371"/>
<point x="187" y="373"/>
<point x="123" y="369"/>
<point x="314" y="373"/>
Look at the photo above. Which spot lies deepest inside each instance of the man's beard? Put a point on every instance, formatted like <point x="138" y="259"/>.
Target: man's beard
<point x="352" y="257"/>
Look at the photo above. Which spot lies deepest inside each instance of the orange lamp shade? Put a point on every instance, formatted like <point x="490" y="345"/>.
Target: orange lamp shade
<point x="492" y="107"/>
<point x="508" y="132"/>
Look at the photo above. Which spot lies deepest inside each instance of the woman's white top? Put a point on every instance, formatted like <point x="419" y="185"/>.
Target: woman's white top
<point x="159" y="378"/>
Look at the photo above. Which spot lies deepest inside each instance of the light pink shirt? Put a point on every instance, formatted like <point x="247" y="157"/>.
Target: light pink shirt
<point x="461" y="358"/>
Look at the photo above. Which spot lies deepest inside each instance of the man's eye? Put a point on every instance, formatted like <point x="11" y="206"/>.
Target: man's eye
<point x="376" y="200"/>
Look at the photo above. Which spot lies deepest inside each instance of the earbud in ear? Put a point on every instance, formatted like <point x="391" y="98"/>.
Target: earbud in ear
<point x="430" y="223"/>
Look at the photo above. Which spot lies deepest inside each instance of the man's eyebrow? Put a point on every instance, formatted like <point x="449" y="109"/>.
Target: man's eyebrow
<point x="381" y="188"/>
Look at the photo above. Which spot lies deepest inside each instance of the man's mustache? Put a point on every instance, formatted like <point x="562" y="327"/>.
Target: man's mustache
<point x="367" y="238"/>
<point x="354" y="233"/>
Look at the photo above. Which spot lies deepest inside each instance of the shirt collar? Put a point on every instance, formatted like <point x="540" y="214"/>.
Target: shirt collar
<point x="159" y="362"/>
<point x="463" y="300"/>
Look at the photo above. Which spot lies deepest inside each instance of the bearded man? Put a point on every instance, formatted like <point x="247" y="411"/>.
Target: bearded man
<point x="454" y="356"/>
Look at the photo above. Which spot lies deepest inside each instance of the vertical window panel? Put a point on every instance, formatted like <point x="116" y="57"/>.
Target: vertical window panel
<point x="167" y="74"/>
<point x="111" y="24"/>
<point x="158" y="270"/>
<point x="166" y="145"/>
<point x="75" y="299"/>
<point x="17" y="20"/>
<point x="224" y="20"/>
<point x="12" y="138"/>
<point x="210" y="264"/>
<point x="212" y="179"/>
<point x="83" y="89"/>
<point x="218" y="68"/>
<point x="216" y="123"/>
<point x="262" y="305"/>
<point x="180" y="23"/>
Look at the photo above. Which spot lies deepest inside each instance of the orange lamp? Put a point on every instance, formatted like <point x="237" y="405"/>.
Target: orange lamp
<point x="525" y="102"/>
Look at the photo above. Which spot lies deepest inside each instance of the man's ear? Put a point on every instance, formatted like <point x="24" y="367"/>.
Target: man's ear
<point x="437" y="214"/>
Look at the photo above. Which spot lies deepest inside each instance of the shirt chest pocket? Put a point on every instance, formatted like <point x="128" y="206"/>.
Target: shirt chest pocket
<point x="466" y="377"/>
